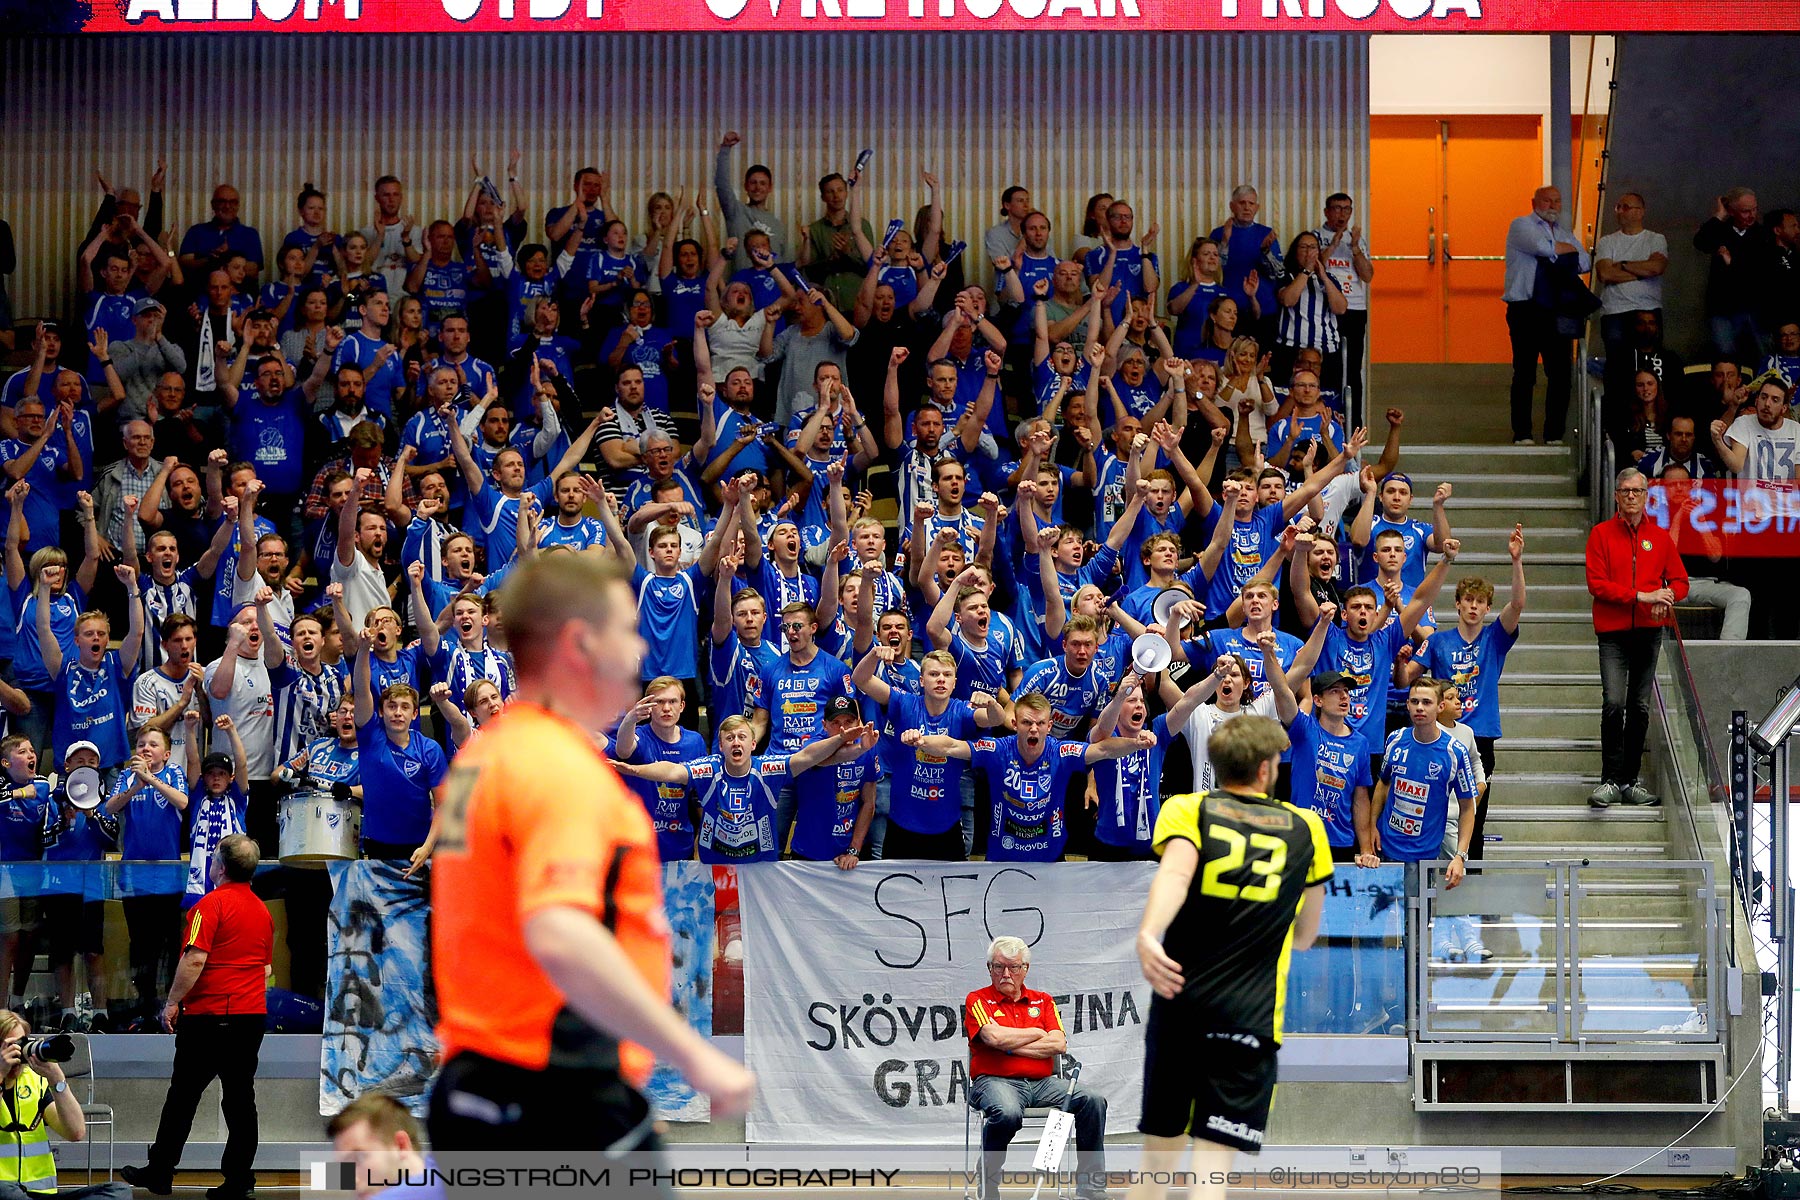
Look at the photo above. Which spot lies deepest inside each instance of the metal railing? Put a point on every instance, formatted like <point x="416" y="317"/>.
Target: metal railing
<point x="1595" y="452"/>
<point x="1585" y="952"/>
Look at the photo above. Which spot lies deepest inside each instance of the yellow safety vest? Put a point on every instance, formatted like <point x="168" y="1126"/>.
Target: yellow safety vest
<point x="25" y="1157"/>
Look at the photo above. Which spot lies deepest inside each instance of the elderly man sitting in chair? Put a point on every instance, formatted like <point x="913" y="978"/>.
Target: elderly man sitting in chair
<point x="1015" y="1035"/>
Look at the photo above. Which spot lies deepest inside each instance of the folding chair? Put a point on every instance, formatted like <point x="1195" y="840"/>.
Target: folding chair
<point x="1031" y="1127"/>
<point x="80" y="1073"/>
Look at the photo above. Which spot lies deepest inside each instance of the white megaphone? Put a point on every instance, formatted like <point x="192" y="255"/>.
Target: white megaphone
<point x="1164" y="605"/>
<point x="82" y="787"/>
<point x="1150" y="653"/>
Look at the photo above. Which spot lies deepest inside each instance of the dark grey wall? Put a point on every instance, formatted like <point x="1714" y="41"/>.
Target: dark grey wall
<point x="1746" y="675"/>
<point x="1694" y="115"/>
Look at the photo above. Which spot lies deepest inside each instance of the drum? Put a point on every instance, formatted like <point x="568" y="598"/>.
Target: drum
<point x="317" y="828"/>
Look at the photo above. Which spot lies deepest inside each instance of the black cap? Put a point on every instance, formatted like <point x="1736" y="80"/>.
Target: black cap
<point x="1324" y="681"/>
<point x="841" y="706"/>
<point x="221" y="761"/>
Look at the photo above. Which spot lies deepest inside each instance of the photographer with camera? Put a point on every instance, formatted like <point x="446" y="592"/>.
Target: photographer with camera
<point x="36" y="1098"/>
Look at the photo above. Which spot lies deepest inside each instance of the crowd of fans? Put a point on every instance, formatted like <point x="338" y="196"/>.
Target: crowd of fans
<point x="1728" y="422"/>
<point x="892" y="536"/>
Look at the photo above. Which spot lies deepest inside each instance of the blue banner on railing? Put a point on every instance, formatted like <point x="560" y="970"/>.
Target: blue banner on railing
<point x="380" y="1012"/>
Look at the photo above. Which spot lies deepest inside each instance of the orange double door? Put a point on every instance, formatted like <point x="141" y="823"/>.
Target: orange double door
<point x="1442" y="191"/>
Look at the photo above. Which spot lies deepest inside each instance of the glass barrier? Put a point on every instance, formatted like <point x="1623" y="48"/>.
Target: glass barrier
<point x="95" y="943"/>
<point x="1595" y="950"/>
<point x="1696" y="767"/>
<point x="1353" y="979"/>
<point x="1491" y="962"/>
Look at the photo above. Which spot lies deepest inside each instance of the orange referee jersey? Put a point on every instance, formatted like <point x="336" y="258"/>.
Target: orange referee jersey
<point x="532" y="816"/>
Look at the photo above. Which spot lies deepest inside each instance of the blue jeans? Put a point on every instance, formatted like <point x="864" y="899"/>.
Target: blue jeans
<point x="1627" y="675"/>
<point x="1739" y="336"/>
<point x="1002" y="1102"/>
<point x="884" y="798"/>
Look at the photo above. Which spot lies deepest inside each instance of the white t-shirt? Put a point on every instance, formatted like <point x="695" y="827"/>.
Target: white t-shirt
<point x="733" y="347"/>
<point x="281" y="609"/>
<point x="387" y="254"/>
<point x="365" y="587"/>
<point x="1341" y="266"/>
<point x="152" y="693"/>
<point x="1260" y="411"/>
<point x="1616" y="298"/>
<point x="1343" y="493"/>
<point x="1209" y="717"/>
<point x="1453" y="823"/>
<point x="251" y="707"/>
<point x="1770" y="455"/>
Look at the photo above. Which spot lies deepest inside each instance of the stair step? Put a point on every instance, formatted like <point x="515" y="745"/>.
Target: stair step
<point x="1565" y="658"/>
<point x="1572" y="712"/>
<point x="1573" y="760"/>
<point x="1600" y="836"/>
<point x="1527" y="938"/>
<point x="1545" y="539"/>
<point x="1584" y="814"/>
<point x="1524" y="788"/>
<point x="1551" y="569"/>
<point x="1487" y="484"/>
<point x="1549" y="629"/>
<point x="1560" y="850"/>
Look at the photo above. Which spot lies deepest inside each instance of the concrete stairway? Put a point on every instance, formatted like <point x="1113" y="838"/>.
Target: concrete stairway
<point x="1549" y="757"/>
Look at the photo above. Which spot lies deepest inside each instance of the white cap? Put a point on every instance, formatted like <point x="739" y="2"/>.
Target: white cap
<point x="74" y="746"/>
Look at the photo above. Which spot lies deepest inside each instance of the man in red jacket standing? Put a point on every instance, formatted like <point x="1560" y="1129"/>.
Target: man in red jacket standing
<point x="1635" y="577"/>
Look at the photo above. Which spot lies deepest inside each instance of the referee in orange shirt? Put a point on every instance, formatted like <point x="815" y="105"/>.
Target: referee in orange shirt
<point x="549" y="941"/>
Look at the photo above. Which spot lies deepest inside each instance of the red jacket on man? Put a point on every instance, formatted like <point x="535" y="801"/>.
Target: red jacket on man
<point x="1623" y="561"/>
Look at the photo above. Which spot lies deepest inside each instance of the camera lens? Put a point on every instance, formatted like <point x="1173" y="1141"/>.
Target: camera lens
<point x="49" y="1047"/>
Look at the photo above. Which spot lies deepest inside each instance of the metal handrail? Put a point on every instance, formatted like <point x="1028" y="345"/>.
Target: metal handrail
<point x="1596" y="450"/>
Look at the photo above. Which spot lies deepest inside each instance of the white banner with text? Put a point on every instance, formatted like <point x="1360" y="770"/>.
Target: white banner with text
<point x="855" y="984"/>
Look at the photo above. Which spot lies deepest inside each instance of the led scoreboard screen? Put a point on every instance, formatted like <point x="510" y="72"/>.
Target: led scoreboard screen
<point x="826" y="16"/>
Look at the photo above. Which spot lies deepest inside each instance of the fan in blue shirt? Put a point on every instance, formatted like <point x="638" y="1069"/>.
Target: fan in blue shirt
<point x="1027" y="774"/>
<point x="925" y="787"/>
<point x="797" y="686"/>
<point x="643" y="345"/>
<point x="1259" y="609"/>
<point x="152" y="793"/>
<point x="986" y="648"/>
<point x="1128" y="790"/>
<point x="1417" y="536"/>
<point x="613" y="271"/>
<point x="566" y="526"/>
<point x="1075" y="690"/>
<point x="268" y="430"/>
<point x="738" y="791"/>
<point x="1134" y="271"/>
<point x="684" y="288"/>
<point x="399" y="765"/>
<point x="1331" y="760"/>
<point x="836" y="802"/>
<point x="384" y="370"/>
<point x="739" y="652"/>
<point x="1472" y="653"/>
<point x="93" y="698"/>
<point x="671" y="806"/>
<point x="1424" y="770"/>
<point x="27" y="799"/>
<point x="494" y="498"/>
